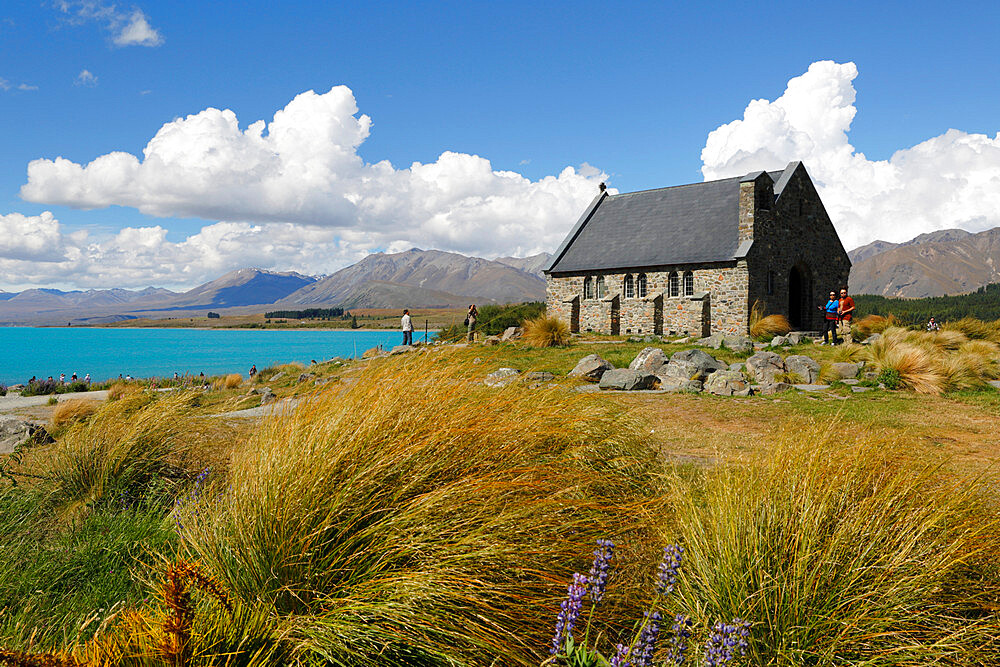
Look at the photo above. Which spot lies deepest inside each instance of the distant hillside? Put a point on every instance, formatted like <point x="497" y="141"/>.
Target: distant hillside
<point x="983" y="304"/>
<point x="533" y="264"/>
<point x="950" y="261"/>
<point x="442" y="272"/>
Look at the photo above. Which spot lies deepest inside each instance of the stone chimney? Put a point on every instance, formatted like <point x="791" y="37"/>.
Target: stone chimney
<point x="756" y="202"/>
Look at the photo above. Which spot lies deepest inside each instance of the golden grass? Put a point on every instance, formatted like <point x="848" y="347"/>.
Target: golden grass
<point x="73" y="410"/>
<point x="870" y="324"/>
<point x="231" y="381"/>
<point x="935" y="362"/>
<point x="545" y="331"/>
<point x="767" y="326"/>
<point x="119" y="389"/>
<point x="436" y="528"/>
<point x="842" y="548"/>
<point x="975" y="329"/>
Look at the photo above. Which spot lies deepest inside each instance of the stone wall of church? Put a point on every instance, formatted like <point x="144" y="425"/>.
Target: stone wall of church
<point x="718" y="303"/>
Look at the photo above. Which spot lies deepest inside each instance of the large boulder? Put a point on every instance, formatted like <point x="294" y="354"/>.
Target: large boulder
<point x="778" y="341"/>
<point x="591" y="367"/>
<point x="680" y="370"/>
<point x="765" y="366"/>
<point x="670" y="383"/>
<point x="726" y="383"/>
<point x="627" y="379"/>
<point x="705" y="364"/>
<point x="650" y="360"/>
<point x="509" y="334"/>
<point x="16" y="433"/>
<point x="501" y="377"/>
<point x="774" y="388"/>
<point x="267" y="396"/>
<point x="845" y="369"/>
<point x="795" y="337"/>
<point x="805" y="367"/>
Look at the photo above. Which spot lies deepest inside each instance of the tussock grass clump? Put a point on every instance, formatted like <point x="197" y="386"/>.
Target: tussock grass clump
<point x="766" y="327"/>
<point x="423" y="530"/>
<point x="73" y="410"/>
<point x="231" y="381"/>
<point x="545" y="331"/>
<point x="120" y="389"/>
<point x="869" y="324"/>
<point x="975" y="329"/>
<point x="935" y="362"/>
<point x="842" y="551"/>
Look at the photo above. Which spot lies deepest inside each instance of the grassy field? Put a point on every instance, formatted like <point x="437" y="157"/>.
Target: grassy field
<point x="405" y="514"/>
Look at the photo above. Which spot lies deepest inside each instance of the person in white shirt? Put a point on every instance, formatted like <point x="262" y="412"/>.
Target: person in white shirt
<point x="407" y="328"/>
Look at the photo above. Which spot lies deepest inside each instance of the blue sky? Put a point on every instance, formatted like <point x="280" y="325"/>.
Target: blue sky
<point x="632" y="90"/>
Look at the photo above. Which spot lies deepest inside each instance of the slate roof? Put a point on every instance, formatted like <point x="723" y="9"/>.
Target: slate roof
<point x="683" y="224"/>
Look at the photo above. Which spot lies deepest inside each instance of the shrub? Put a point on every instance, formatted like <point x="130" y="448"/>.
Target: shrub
<point x="767" y="327"/>
<point x="73" y="410"/>
<point x="422" y="531"/>
<point x="889" y="378"/>
<point x="53" y="400"/>
<point x="839" y="549"/>
<point x="40" y="388"/>
<point x="545" y="332"/>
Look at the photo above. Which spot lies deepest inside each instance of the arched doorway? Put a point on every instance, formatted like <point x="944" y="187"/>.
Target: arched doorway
<point x="799" y="296"/>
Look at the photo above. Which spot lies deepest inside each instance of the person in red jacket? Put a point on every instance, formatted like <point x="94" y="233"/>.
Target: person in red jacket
<point x="846" y="313"/>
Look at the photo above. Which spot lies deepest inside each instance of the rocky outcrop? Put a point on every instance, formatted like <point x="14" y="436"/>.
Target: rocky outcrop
<point x="591" y="368"/>
<point x="15" y="433"/>
<point x="501" y="377"/>
<point x="764" y="367"/>
<point x="727" y="383"/>
<point x="650" y="360"/>
<point x="704" y="363"/>
<point x="626" y="379"/>
<point x="806" y="368"/>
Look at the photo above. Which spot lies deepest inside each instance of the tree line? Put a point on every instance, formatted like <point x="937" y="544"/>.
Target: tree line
<point x="983" y="304"/>
<point x="307" y="314"/>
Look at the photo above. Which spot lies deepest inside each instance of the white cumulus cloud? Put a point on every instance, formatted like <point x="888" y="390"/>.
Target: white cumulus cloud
<point x="303" y="168"/>
<point x="136" y="31"/>
<point x="948" y="181"/>
<point x="127" y="28"/>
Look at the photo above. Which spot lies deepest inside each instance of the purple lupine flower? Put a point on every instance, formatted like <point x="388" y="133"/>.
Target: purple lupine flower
<point x="569" y="610"/>
<point x="621" y="657"/>
<point x="726" y="640"/>
<point x="600" y="570"/>
<point x="678" y="640"/>
<point x="666" y="575"/>
<point x="646" y="644"/>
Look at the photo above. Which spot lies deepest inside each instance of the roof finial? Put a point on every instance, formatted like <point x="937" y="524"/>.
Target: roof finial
<point x="603" y="187"/>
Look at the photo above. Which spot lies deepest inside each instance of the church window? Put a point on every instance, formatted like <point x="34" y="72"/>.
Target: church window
<point x="640" y="286"/>
<point x="601" y="289"/>
<point x="674" y="285"/>
<point x="628" y="287"/>
<point x="588" y="288"/>
<point x="688" y="283"/>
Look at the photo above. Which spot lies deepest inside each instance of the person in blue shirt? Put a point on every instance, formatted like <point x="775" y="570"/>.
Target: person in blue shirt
<point x="832" y="312"/>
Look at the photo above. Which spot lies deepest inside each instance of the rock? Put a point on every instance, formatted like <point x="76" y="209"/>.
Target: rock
<point x="477" y="360"/>
<point x="651" y="339"/>
<point x="501" y="377"/>
<point x="253" y="391"/>
<point x="858" y="390"/>
<point x="650" y="360"/>
<point x="871" y="339"/>
<point x="811" y="387"/>
<point x="680" y="341"/>
<point x="725" y="383"/>
<point x="591" y="367"/>
<point x="715" y="341"/>
<point x="778" y="341"/>
<point x="746" y="391"/>
<point x="774" y="388"/>
<point x="760" y="346"/>
<point x="266" y="396"/>
<point x="627" y="379"/>
<point x="994" y="383"/>
<point x="679" y="370"/>
<point x="805" y="367"/>
<point x="511" y="333"/>
<point x="277" y="376"/>
<point x="305" y="377"/>
<point x="491" y="340"/>
<point x="401" y="349"/>
<point x="320" y="381"/>
<point x="845" y="369"/>
<point x="539" y="376"/>
<point x="765" y="366"/>
<point x="737" y="366"/>
<point x="705" y="363"/>
<point x="15" y="433"/>
<point x="737" y="343"/>
<point x="851" y="382"/>
<point x="795" y="337"/>
<point x="670" y="383"/>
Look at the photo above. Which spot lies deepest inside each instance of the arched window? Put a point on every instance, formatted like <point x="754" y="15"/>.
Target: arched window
<point x="588" y="288"/>
<point x="640" y="286"/>
<point x="688" y="283"/>
<point x="628" y="287"/>
<point x="674" y="285"/>
<point x="601" y="290"/>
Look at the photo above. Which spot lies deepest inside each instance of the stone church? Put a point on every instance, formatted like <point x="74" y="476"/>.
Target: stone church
<point x="693" y="259"/>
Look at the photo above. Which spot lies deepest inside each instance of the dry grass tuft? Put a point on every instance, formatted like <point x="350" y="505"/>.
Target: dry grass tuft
<point x="870" y="324"/>
<point x="545" y="331"/>
<point x="231" y="381"/>
<point x="120" y="389"/>
<point x="21" y="659"/>
<point x="73" y="410"/>
<point x="935" y="362"/>
<point x="767" y="326"/>
<point x="842" y="548"/>
<point x="975" y="329"/>
<point x="425" y="530"/>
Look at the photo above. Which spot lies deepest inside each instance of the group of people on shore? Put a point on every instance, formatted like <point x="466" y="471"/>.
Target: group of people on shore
<point x="62" y="380"/>
<point x="406" y="324"/>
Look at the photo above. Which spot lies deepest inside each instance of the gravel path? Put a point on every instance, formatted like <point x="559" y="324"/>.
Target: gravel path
<point x="13" y="401"/>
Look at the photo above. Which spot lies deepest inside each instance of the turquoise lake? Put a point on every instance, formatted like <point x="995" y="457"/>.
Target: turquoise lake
<point x="106" y="353"/>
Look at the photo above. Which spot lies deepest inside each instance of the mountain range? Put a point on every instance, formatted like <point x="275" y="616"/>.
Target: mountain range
<point x="950" y="261"/>
<point x="415" y="278"/>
